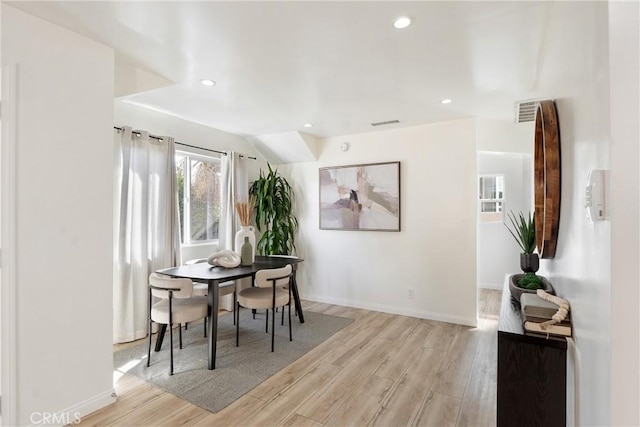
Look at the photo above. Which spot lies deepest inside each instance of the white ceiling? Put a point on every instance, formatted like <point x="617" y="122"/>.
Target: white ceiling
<point x="338" y="65"/>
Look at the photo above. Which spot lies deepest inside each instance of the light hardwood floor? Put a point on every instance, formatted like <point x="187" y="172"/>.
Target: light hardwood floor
<point x="381" y="370"/>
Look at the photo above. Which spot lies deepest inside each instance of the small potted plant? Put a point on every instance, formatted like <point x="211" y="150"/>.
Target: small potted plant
<point x="523" y="231"/>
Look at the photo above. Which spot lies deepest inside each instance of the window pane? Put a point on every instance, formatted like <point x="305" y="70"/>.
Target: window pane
<point x="205" y="200"/>
<point x="180" y="183"/>
<point x="487" y="187"/>
<point x="491" y="207"/>
<point x="500" y="187"/>
<point x="491" y="187"/>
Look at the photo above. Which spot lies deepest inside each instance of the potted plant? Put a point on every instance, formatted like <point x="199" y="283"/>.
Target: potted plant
<point x="523" y="231"/>
<point x="273" y="197"/>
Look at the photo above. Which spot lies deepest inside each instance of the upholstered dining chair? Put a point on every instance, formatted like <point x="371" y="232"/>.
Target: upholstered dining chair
<point x="288" y="284"/>
<point x="269" y="292"/>
<point x="177" y="305"/>
<point x="224" y="288"/>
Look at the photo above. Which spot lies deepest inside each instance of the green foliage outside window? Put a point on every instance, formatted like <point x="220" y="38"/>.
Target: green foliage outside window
<point x="198" y="199"/>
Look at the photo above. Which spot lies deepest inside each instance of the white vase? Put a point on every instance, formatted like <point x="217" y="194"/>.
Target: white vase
<point x="249" y="232"/>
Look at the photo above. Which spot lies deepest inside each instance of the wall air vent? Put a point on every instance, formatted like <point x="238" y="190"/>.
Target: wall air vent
<point x="526" y="111"/>
<point x="388" y="122"/>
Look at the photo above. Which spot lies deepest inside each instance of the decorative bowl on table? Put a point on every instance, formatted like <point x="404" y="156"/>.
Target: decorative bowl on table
<point x="516" y="290"/>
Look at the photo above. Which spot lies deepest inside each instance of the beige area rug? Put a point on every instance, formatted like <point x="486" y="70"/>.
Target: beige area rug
<point x="238" y="369"/>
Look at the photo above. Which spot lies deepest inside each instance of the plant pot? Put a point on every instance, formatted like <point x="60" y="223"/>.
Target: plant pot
<point x="529" y="263"/>
<point x="516" y="290"/>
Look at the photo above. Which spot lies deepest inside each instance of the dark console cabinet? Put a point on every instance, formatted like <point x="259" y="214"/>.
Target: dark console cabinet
<point x="532" y="373"/>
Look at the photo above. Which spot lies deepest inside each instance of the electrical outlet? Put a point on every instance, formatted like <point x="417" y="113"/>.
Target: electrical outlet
<point x="410" y="293"/>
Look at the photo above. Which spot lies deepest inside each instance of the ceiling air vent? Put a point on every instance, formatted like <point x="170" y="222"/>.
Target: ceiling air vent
<point x="388" y="122"/>
<point x="526" y="111"/>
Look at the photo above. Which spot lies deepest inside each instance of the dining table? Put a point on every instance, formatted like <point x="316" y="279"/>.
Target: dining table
<point x="214" y="275"/>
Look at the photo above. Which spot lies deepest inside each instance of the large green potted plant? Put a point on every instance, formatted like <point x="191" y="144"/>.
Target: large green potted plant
<point x="273" y="199"/>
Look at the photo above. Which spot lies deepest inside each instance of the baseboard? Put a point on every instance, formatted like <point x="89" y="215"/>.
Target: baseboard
<point x="421" y="314"/>
<point x="495" y="286"/>
<point x="75" y="413"/>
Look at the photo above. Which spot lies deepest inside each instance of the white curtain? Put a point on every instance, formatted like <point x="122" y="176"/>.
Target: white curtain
<point x="146" y="226"/>
<point x="242" y="179"/>
<point x="228" y="221"/>
<point x="235" y="187"/>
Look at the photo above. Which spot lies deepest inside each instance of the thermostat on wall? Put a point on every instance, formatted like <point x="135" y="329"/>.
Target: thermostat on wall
<point x="594" y="195"/>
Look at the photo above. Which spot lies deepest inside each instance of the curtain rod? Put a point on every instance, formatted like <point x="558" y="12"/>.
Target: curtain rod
<point x="186" y="145"/>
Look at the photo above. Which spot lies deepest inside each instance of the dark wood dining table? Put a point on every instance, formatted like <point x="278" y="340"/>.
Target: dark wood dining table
<point x="213" y="276"/>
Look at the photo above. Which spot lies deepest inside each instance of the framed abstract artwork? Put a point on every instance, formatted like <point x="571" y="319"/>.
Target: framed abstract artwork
<point x="360" y="197"/>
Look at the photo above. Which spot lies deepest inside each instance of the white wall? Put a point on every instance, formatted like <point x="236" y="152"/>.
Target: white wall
<point x="63" y="185"/>
<point x="497" y="252"/>
<point x="1" y="303"/>
<point x="581" y="271"/>
<point x="434" y="254"/>
<point x="505" y="136"/>
<point x="625" y="213"/>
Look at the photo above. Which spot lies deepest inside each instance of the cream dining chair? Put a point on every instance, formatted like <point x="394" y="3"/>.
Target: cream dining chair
<point x="271" y="290"/>
<point x="177" y="305"/>
<point x="224" y="288"/>
<point x="293" y="257"/>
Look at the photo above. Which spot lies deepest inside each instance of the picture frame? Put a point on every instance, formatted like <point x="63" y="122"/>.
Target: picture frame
<point x="364" y="197"/>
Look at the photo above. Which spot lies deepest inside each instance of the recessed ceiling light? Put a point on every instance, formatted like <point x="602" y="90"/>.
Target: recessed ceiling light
<point x="446" y="101"/>
<point x="402" y="22"/>
<point x="208" y="82"/>
<point x="308" y="125"/>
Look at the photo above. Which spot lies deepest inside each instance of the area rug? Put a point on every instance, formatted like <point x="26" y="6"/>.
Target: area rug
<point x="238" y="369"/>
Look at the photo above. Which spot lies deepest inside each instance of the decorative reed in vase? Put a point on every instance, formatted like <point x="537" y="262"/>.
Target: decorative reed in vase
<point x="244" y="209"/>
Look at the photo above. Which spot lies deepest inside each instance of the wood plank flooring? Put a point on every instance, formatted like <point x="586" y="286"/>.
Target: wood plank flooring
<point x="381" y="370"/>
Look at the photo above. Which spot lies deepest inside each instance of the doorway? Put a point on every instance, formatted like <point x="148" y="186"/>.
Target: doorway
<point x="497" y="252"/>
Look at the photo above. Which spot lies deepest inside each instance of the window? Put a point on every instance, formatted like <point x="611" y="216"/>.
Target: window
<point x="491" y="198"/>
<point x="198" y="197"/>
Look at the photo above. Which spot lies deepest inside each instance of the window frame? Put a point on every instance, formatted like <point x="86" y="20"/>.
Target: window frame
<point x="185" y="231"/>
<point x="488" y="217"/>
